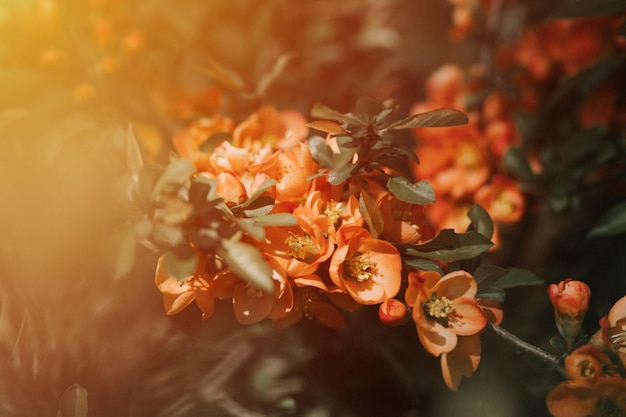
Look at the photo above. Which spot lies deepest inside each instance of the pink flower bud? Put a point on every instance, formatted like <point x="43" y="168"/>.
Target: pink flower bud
<point x="393" y="312"/>
<point x="570" y="299"/>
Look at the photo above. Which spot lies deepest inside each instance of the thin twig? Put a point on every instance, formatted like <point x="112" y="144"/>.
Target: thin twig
<point x="527" y="347"/>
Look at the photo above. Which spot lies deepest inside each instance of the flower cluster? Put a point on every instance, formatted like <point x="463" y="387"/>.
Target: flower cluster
<point x="465" y="163"/>
<point x="596" y="371"/>
<point x="290" y="226"/>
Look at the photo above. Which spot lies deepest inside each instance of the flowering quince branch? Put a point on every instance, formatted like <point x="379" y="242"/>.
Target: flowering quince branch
<point x="553" y="360"/>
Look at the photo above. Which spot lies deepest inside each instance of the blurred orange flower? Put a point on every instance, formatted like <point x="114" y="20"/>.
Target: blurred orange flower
<point x="502" y="199"/>
<point x="606" y="396"/>
<point x="187" y="142"/>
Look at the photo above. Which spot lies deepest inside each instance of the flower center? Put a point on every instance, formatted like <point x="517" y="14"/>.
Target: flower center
<point x="333" y="211"/>
<point x="438" y="309"/>
<point x="359" y="267"/>
<point x="301" y="247"/>
<point x="586" y="369"/>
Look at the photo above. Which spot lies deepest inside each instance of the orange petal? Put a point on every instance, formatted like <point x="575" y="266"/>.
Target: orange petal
<point x="175" y="303"/>
<point x="572" y="399"/>
<point x="456" y="284"/>
<point x="462" y="361"/>
<point x="205" y="301"/>
<point x="436" y="339"/>
<point x="467" y="318"/>
<point x="251" y="305"/>
<point x="328" y="315"/>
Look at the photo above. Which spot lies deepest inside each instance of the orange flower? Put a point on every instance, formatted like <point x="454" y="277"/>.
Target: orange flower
<point x="331" y="214"/>
<point x="570" y="299"/>
<point x="298" y="249"/>
<point x="462" y="361"/>
<point x="614" y="329"/>
<point x="444" y="308"/>
<point x="177" y="294"/>
<point x="366" y="268"/>
<point x="605" y="396"/>
<point x="404" y="222"/>
<point x="187" y="142"/>
<point x="502" y="199"/>
<point x="291" y="167"/>
<point x="268" y="126"/>
<point x="251" y="305"/>
<point x="586" y="363"/>
<point x="314" y="300"/>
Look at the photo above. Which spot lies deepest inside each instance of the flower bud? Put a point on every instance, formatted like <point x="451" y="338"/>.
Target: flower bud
<point x="393" y="312"/>
<point x="570" y="299"/>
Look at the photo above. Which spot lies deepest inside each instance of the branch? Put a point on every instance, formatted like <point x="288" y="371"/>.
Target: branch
<point x="527" y="347"/>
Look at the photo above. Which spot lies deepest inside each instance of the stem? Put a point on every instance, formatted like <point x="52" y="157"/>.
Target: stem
<point x="527" y="347"/>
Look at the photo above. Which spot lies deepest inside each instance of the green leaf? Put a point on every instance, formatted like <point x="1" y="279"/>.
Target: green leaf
<point x="199" y="189"/>
<point x="263" y="187"/>
<point x="320" y="111"/>
<point x="181" y="263"/>
<point x="214" y="141"/>
<point x="450" y="246"/>
<point x="419" y="193"/>
<point x="487" y="275"/>
<point x="177" y="172"/>
<point x="368" y="108"/>
<point x="73" y="402"/>
<point x="371" y="213"/>
<point x="247" y="262"/>
<point x="481" y="221"/>
<point x="268" y="79"/>
<point x="434" y="118"/>
<point x="613" y="222"/>
<point x="517" y="277"/>
<point x="492" y="293"/>
<point x="589" y="8"/>
<point x="338" y="175"/>
<point x="515" y="161"/>
<point x="126" y="251"/>
<point x="165" y="234"/>
<point x="320" y="151"/>
<point x="423" y="264"/>
<point x="260" y="206"/>
<point x="276" y="219"/>
<point x="250" y="227"/>
<point x="134" y="161"/>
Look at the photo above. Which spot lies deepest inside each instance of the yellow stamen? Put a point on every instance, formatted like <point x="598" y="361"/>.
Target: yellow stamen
<point x="438" y="308"/>
<point x="586" y="369"/>
<point x="301" y="247"/>
<point x="359" y="267"/>
<point x="333" y="211"/>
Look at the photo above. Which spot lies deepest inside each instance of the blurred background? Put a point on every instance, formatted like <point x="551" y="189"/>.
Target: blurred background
<point x="75" y="73"/>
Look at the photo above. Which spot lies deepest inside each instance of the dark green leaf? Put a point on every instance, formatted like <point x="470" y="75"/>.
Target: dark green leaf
<point x="371" y="213"/>
<point x="487" y="275"/>
<point x="199" y="189"/>
<point x="492" y="293"/>
<point x="250" y="227"/>
<point x="320" y="151"/>
<point x="180" y="264"/>
<point x="263" y="187"/>
<point x="515" y="160"/>
<point x="368" y="108"/>
<point x="450" y="246"/>
<point x="338" y="175"/>
<point x="126" y="250"/>
<point x="423" y="264"/>
<point x="268" y="79"/>
<point x="418" y="193"/>
<point x="276" y="219"/>
<point x="613" y="222"/>
<point x="517" y="277"/>
<point x="134" y="161"/>
<point x="434" y="118"/>
<point x="214" y="141"/>
<point x="177" y="172"/>
<point x="481" y="221"/>
<point x="247" y="262"/>
<point x="320" y="111"/>
<point x="73" y="402"/>
<point x="260" y="207"/>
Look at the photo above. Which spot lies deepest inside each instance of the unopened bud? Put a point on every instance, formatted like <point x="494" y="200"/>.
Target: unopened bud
<point x="570" y="300"/>
<point x="393" y="312"/>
